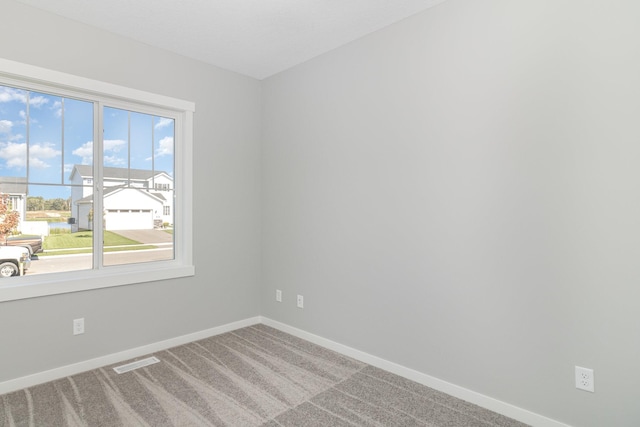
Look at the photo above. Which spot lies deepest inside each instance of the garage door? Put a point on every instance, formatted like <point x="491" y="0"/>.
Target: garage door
<point x="129" y="219"/>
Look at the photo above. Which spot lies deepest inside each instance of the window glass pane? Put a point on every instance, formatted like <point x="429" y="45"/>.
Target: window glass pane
<point x="34" y="125"/>
<point x="81" y="198"/>
<point x="164" y="164"/>
<point x="138" y="193"/>
<point x="45" y="138"/>
<point x="141" y="142"/>
<point x="163" y="145"/>
<point x="116" y="136"/>
<point x="13" y="132"/>
<point x="50" y="214"/>
<point x="78" y="135"/>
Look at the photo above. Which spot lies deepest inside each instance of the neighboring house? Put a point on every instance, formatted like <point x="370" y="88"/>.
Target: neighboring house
<point x="16" y="189"/>
<point x="135" y="199"/>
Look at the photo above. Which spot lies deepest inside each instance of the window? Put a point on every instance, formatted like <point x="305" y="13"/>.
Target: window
<point x="100" y="171"/>
<point x="14" y="202"/>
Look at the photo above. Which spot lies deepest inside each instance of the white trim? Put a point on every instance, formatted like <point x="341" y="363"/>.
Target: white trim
<point x="107" y="94"/>
<point x="75" y="281"/>
<point x="76" y="368"/>
<point x="479" y="399"/>
<point x="20" y="71"/>
<point x="471" y="396"/>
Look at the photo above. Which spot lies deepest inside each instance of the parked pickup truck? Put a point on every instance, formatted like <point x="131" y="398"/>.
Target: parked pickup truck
<point x="14" y="261"/>
<point x="33" y="243"/>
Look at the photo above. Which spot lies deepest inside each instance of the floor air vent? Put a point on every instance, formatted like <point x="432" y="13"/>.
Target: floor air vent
<point x="135" y="365"/>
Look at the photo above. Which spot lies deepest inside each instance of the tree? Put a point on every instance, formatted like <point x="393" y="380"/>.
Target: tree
<point x="9" y="218"/>
<point x="56" y="204"/>
<point x="35" y="203"/>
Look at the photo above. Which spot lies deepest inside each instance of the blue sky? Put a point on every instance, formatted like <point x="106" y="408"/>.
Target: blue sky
<point x="131" y="139"/>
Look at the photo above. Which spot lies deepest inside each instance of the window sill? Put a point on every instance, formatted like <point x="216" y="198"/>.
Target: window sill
<point x="24" y="287"/>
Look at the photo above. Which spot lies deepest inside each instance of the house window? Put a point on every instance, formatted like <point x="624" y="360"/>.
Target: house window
<point x="14" y="202"/>
<point x="89" y="161"/>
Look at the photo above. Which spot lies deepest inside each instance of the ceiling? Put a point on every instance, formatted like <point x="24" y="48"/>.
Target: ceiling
<point x="257" y="38"/>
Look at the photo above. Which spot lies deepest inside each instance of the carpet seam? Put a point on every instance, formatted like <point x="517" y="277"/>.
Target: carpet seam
<point x="370" y="404"/>
<point x="488" y="423"/>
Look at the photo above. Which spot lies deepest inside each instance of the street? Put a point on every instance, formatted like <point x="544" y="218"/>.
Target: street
<point x="60" y="263"/>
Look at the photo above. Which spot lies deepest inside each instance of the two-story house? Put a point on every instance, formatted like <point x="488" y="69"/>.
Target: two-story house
<point x="134" y="199"/>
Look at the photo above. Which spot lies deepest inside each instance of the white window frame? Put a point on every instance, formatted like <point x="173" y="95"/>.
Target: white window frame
<point x="26" y="76"/>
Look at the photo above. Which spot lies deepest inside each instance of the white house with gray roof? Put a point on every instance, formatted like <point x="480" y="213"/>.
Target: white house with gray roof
<point x="134" y="199"/>
<point x="16" y="188"/>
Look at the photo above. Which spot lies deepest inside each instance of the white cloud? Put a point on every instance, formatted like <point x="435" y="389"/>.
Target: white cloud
<point x="85" y="151"/>
<point x="23" y="116"/>
<point x="15" y="154"/>
<point x="8" y="94"/>
<point x="38" y="101"/>
<point x="37" y="163"/>
<point x="57" y="108"/>
<point x="5" y="126"/>
<point x="111" y="148"/>
<point x="45" y="150"/>
<point x="114" y="161"/>
<point x="163" y="123"/>
<point x="165" y="147"/>
<point x="114" y="145"/>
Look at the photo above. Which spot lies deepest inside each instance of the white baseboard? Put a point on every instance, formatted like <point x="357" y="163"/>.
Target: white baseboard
<point x="481" y="400"/>
<point x="487" y="402"/>
<point x="87" y="365"/>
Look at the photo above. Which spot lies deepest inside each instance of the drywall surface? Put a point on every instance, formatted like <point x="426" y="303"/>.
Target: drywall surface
<point x="36" y="333"/>
<point x="459" y="193"/>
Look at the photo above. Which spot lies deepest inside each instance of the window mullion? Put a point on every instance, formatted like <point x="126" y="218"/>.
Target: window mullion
<point x="62" y="140"/>
<point x="28" y="129"/>
<point x="98" y="187"/>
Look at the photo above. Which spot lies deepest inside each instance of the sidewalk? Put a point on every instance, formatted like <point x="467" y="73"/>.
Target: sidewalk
<point x="147" y="236"/>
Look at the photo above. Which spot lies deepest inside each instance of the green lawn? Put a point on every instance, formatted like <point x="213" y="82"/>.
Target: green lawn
<point x="84" y="239"/>
<point x="89" y="250"/>
<point x="82" y="243"/>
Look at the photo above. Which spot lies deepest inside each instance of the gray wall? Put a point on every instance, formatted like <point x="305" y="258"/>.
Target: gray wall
<point x="36" y="333"/>
<point x="457" y="193"/>
<point x="460" y="193"/>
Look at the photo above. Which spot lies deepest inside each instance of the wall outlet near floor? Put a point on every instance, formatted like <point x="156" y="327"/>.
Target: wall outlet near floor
<point x="584" y="379"/>
<point x="278" y="295"/>
<point x="78" y="326"/>
<point x="300" y="301"/>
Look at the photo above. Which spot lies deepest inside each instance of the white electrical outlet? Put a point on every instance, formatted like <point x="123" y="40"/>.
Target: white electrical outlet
<point x="278" y="295"/>
<point x="300" y="301"/>
<point x="584" y="379"/>
<point x="78" y="326"/>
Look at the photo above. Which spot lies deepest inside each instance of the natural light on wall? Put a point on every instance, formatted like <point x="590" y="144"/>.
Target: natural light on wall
<point x="97" y="181"/>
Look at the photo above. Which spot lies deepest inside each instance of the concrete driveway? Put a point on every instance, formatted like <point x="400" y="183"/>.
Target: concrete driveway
<point x="147" y="236"/>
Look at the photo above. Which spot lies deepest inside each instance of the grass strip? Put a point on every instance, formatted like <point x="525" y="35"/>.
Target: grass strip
<point x="89" y="250"/>
<point x="84" y="239"/>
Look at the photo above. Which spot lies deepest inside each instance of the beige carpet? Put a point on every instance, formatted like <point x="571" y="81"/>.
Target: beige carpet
<point x="249" y="377"/>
